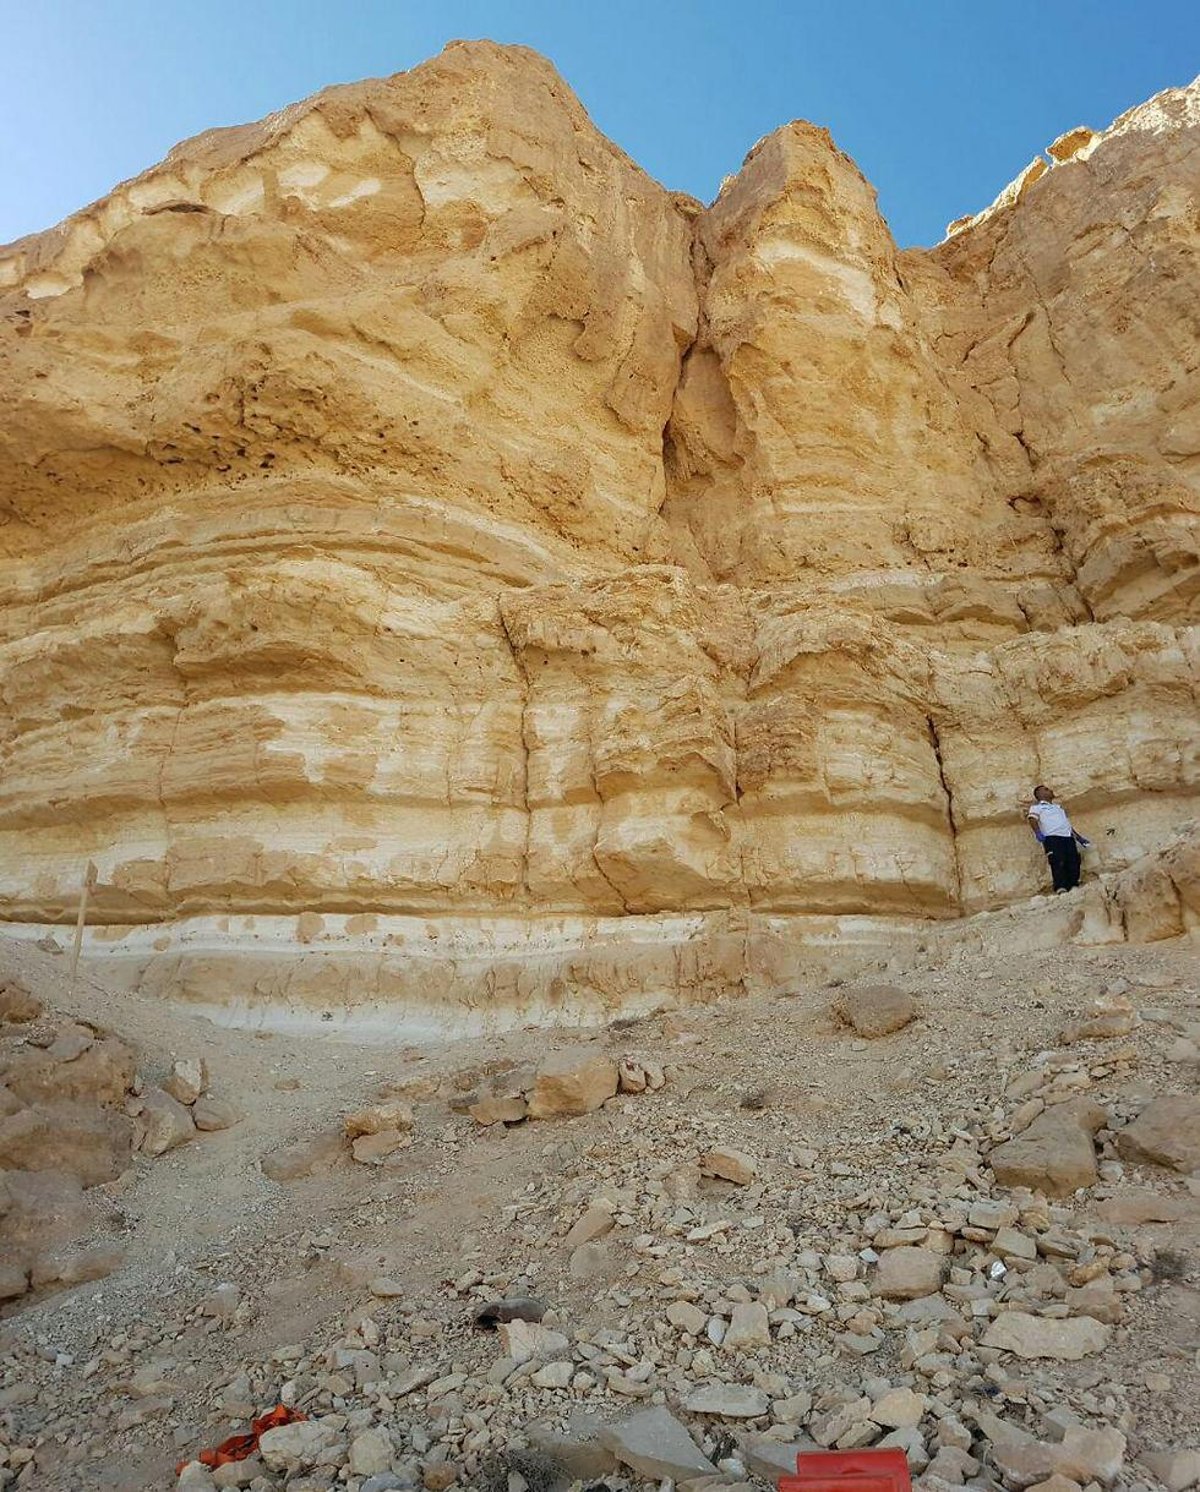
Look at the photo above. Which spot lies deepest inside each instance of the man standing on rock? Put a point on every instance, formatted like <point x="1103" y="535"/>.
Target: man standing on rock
<point x="1052" y="829"/>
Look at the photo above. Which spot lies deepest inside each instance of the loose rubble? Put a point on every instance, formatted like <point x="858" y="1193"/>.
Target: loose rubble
<point x="74" y="1113"/>
<point x="665" y="1283"/>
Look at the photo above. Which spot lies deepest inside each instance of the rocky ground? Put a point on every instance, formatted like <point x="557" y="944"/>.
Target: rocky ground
<point x="958" y="1214"/>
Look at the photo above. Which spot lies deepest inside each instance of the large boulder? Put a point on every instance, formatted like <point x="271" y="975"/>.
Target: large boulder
<point x="574" y="1081"/>
<point x="1165" y="1133"/>
<point x="76" y="1264"/>
<point x="91" y="1143"/>
<point x="17" y="1005"/>
<point x="102" y="1072"/>
<point x="874" y="1010"/>
<point x="1056" y="1154"/>
<point x="40" y="1209"/>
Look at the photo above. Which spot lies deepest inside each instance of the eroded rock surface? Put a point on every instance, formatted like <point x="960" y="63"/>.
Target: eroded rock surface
<point x="433" y="547"/>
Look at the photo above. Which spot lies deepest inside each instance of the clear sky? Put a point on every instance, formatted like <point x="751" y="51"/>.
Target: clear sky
<point x="941" y="102"/>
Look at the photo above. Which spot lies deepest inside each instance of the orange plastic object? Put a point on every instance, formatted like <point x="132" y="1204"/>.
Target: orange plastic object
<point x="849" y="1471"/>
<point x="239" y="1447"/>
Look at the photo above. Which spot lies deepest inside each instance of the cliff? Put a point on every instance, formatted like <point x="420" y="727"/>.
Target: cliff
<point x="431" y="547"/>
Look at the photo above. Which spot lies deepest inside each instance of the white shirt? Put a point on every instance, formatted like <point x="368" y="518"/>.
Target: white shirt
<point x="1052" y="820"/>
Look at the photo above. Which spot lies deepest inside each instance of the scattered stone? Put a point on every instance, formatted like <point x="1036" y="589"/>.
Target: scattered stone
<point x="298" y="1446"/>
<point x="525" y="1341"/>
<point x="777" y="1290"/>
<point x="370" y="1453"/>
<point x="899" y="1409"/>
<point x="846" y="1427"/>
<point x="793" y="1410"/>
<point x="554" y="1375"/>
<point x="1031" y="1337"/>
<point x="439" y="1475"/>
<point x="292" y="1162"/>
<point x="1165" y="1133"/>
<point x="1020" y="1459"/>
<point x="577" y="1447"/>
<point x="167" y="1123"/>
<point x="187" y="1079"/>
<point x="1178" y="1470"/>
<point x="912" y="1443"/>
<point x="391" y="1116"/>
<point x="496" y="1110"/>
<point x="639" y="1074"/>
<point x="195" y="1477"/>
<point x="952" y="1465"/>
<point x="992" y="1215"/>
<point x="908" y="1273"/>
<point x="595" y="1223"/>
<point x="1087" y="1455"/>
<point x="875" y="1010"/>
<point x="772" y="1459"/>
<point x="1009" y="1243"/>
<point x="210" y="1114"/>
<point x="687" y="1317"/>
<point x="238" y="1473"/>
<point x="656" y="1446"/>
<point x="749" y="1327"/>
<point x="1105" y="1018"/>
<point x="571" y="1082"/>
<point x="1131" y="1209"/>
<point x="373" y="1148"/>
<point x="76" y="1264"/>
<point x="730" y="1165"/>
<point x="729" y="1401"/>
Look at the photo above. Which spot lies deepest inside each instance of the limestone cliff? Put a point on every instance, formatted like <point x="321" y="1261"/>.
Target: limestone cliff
<point x="431" y="545"/>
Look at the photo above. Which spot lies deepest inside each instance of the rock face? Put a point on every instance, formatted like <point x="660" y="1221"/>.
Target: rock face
<point x="502" y="581"/>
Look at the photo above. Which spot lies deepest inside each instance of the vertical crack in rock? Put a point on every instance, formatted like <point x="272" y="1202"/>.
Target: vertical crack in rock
<point x="523" y="676"/>
<point x="936" y="743"/>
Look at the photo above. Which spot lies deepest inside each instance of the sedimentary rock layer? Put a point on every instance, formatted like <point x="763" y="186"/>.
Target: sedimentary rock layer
<point x="418" y="524"/>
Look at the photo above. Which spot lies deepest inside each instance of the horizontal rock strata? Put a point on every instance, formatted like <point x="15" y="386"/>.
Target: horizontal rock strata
<point x="431" y="545"/>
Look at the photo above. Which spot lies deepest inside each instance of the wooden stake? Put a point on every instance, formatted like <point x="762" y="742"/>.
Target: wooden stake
<point x="89" y="885"/>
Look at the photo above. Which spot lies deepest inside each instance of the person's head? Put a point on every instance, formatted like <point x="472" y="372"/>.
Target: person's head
<point x="1043" y="795"/>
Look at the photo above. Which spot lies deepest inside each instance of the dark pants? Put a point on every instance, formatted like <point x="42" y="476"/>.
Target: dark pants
<point x="1063" y="855"/>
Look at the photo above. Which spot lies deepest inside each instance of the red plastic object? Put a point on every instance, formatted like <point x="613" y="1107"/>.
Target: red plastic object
<point x="849" y="1471"/>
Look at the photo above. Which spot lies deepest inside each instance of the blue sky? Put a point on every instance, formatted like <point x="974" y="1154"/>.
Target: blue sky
<point x="940" y="103"/>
